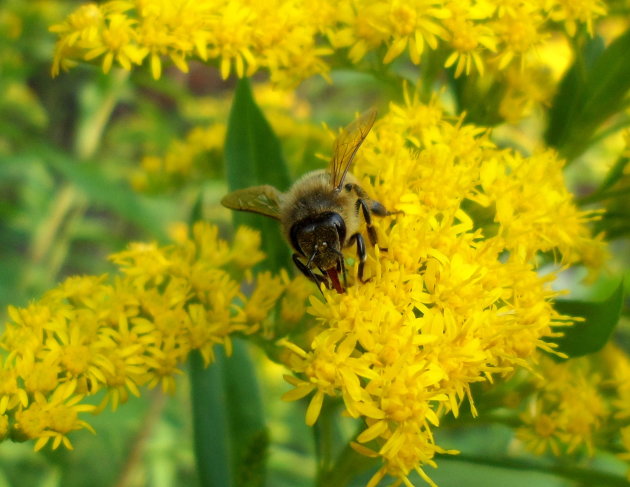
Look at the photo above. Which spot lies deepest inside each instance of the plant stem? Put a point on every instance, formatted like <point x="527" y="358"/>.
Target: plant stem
<point x="584" y="476"/>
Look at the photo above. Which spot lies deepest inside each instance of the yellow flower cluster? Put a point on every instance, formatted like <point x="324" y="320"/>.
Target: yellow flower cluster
<point x="291" y="38"/>
<point x="185" y="160"/>
<point x="580" y="403"/>
<point x="92" y="334"/>
<point x="455" y="299"/>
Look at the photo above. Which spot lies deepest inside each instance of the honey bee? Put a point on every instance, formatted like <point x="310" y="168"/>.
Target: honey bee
<point x="321" y="213"/>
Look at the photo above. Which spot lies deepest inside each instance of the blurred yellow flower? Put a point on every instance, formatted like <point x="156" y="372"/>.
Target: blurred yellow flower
<point x="293" y="39"/>
<point x="578" y="404"/>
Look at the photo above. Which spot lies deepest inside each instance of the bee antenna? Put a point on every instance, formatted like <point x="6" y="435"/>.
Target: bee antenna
<point x="310" y="259"/>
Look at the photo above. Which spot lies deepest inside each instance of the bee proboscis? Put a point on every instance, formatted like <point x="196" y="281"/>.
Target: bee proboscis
<point x="321" y="213"/>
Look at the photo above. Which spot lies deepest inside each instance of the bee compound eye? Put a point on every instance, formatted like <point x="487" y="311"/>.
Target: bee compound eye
<point x="340" y="227"/>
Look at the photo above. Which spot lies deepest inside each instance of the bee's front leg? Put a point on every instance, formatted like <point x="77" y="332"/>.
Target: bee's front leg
<point x="316" y="278"/>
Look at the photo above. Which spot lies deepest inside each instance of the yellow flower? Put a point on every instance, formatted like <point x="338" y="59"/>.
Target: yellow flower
<point x="519" y="30"/>
<point x="573" y="11"/>
<point x="51" y="418"/>
<point x="93" y="334"/>
<point x="527" y="88"/>
<point x="542" y="431"/>
<point x="11" y="395"/>
<point x="451" y="302"/>
<point x="293" y="305"/>
<point x="245" y="250"/>
<point x="469" y="37"/>
<point x="577" y="404"/>
<point x="292" y="39"/>
<point x="265" y="295"/>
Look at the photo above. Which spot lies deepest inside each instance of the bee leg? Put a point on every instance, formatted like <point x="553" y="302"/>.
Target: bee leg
<point x="369" y="208"/>
<point x="316" y="278"/>
<point x="367" y="215"/>
<point x="361" y="253"/>
<point x="341" y="267"/>
<point x="379" y="210"/>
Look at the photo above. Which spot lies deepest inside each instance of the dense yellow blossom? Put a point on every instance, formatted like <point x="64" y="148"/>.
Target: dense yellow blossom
<point x="453" y="301"/>
<point x="295" y="39"/>
<point x="578" y="405"/>
<point x="93" y="334"/>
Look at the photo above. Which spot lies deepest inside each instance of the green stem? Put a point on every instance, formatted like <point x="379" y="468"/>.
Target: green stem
<point x="93" y="121"/>
<point x="347" y="466"/>
<point x="584" y="476"/>
<point x="138" y="447"/>
<point x="328" y="435"/>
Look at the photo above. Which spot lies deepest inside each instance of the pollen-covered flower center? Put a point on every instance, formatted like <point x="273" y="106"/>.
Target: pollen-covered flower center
<point x="75" y="358"/>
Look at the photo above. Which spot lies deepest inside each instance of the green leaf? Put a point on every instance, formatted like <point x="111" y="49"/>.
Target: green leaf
<point x="250" y="438"/>
<point x="600" y="318"/>
<point x="483" y="217"/>
<point x="231" y="440"/>
<point x="593" y="90"/>
<point x="212" y="440"/>
<point x="253" y="156"/>
<point x="116" y="195"/>
<point x="570" y="92"/>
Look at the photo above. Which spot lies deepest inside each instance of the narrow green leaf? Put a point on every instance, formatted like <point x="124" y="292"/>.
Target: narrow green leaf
<point x="231" y="438"/>
<point x="593" y="90"/>
<point x="600" y="318"/>
<point x="253" y="156"/>
<point x="210" y="420"/>
<point x="249" y="434"/>
<point x="570" y="92"/>
<point x="615" y="173"/>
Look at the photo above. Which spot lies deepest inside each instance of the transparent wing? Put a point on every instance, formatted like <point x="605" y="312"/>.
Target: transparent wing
<point x="264" y="200"/>
<point x="347" y="145"/>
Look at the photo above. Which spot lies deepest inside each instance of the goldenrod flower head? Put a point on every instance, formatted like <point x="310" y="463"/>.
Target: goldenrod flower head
<point x="246" y="248"/>
<point x="117" y="335"/>
<point x="292" y="39"/>
<point x="572" y="12"/>
<point x="293" y="305"/>
<point x="185" y="160"/>
<point x="453" y="300"/>
<point x="577" y="404"/>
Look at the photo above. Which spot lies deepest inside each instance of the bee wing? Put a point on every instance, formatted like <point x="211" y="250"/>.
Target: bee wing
<point x="347" y="145"/>
<point x="264" y="200"/>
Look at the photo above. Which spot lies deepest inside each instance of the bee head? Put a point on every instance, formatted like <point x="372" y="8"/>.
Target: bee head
<point x="319" y="238"/>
